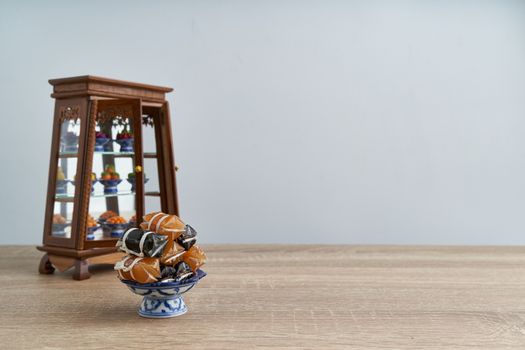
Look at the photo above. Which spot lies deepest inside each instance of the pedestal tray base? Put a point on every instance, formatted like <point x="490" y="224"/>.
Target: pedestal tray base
<point x="158" y="308"/>
<point x="163" y="300"/>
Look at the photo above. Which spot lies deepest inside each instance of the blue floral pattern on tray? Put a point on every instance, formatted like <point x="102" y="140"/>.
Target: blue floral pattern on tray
<point x="132" y="181"/>
<point x="126" y="145"/>
<point x="110" y="186"/>
<point x="61" y="187"/>
<point x="100" y="142"/>
<point x="91" y="232"/>
<point x="114" y="230"/>
<point x="164" y="299"/>
<point x="59" y="230"/>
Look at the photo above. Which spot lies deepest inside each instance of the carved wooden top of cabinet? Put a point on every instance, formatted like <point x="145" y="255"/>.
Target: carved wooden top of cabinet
<point x="89" y="85"/>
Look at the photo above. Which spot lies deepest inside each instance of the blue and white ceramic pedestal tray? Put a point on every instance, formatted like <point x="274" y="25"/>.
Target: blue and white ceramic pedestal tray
<point x="61" y="187"/>
<point x="91" y="232"/>
<point x="114" y="230"/>
<point x="99" y="143"/>
<point x="110" y="186"/>
<point x="108" y="146"/>
<point x="59" y="230"/>
<point x="132" y="182"/>
<point x="126" y="145"/>
<point x="70" y="142"/>
<point x="71" y="148"/>
<point x="163" y="299"/>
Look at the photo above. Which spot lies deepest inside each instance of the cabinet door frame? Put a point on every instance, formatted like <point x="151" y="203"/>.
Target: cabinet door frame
<point x="135" y="106"/>
<point x="65" y="109"/>
<point x="168" y="161"/>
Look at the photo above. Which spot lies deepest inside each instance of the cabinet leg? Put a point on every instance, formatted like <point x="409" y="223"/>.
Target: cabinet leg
<point x="81" y="270"/>
<point x="45" y="267"/>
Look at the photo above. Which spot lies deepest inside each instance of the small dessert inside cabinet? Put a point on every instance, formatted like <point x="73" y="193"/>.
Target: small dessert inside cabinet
<point x="111" y="159"/>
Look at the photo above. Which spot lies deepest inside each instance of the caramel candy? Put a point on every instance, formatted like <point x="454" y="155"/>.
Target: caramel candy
<point x="141" y="270"/>
<point x="172" y="254"/>
<point x="166" y="224"/>
<point x="194" y="257"/>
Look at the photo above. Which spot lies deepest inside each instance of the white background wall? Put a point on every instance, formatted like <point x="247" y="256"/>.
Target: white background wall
<point x="294" y="121"/>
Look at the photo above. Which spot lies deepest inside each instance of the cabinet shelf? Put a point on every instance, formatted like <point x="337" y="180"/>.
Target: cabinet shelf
<point x="70" y="198"/>
<point x="108" y="153"/>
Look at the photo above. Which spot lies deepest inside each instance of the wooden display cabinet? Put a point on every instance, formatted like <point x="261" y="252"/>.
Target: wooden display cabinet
<point x="87" y="108"/>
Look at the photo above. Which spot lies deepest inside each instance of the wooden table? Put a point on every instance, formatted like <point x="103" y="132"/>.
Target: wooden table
<point x="283" y="296"/>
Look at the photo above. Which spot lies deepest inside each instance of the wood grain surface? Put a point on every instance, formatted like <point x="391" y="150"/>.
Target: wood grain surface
<point x="282" y="296"/>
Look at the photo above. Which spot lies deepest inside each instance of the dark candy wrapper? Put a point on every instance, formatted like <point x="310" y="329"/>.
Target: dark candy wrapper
<point x="167" y="272"/>
<point x="182" y="271"/>
<point x="188" y="238"/>
<point x="142" y="243"/>
<point x="178" y="273"/>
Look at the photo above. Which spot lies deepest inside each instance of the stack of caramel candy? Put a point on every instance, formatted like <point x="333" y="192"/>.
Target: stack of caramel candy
<point x="162" y="249"/>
